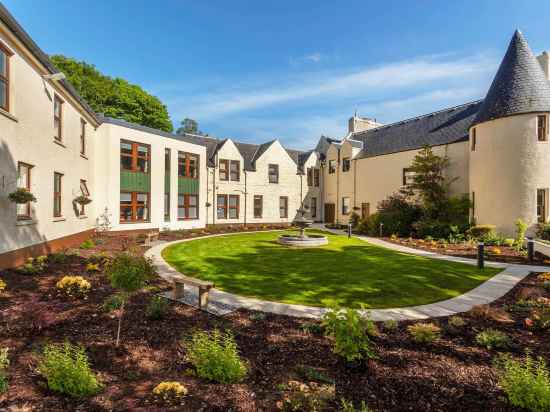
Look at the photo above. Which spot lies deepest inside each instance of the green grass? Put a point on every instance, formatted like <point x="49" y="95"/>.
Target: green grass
<point x="346" y="272"/>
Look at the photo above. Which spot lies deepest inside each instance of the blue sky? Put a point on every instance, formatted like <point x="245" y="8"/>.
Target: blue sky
<point x="292" y="70"/>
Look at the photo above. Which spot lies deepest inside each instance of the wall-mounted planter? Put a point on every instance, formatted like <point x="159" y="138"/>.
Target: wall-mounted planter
<point x="21" y="196"/>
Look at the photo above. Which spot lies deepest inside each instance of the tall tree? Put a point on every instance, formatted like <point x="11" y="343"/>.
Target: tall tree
<point x="190" y="126"/>
<point x="114" y="97"/>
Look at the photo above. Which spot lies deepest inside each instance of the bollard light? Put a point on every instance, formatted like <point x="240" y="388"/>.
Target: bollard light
<point x="530" y="249"/>
<point x="480" y="255"/>
<point x="349" y="230"/>
<point x="381" y="226"/>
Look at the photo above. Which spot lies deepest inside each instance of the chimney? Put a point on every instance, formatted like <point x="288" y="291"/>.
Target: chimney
<point x="544" y="61"/>
<point x="359" y="124"/>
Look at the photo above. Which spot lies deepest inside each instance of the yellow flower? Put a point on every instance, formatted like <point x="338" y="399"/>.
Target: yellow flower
<point x="2" y="285"/>
<point x="170" y="390"/>
<point x="73" y="285"/>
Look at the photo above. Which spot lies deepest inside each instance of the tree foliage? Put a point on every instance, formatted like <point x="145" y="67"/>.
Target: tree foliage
<point x="190" y="126"/>
<point x="114" y="97"/>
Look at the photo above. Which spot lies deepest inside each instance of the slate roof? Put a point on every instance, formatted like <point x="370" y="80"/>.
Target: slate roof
<point x="439" y="128"/>
<point x="23" y="36"/>
<point x="520" y="85"/>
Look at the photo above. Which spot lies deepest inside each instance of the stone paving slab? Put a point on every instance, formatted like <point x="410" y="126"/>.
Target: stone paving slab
<point x="487" y="292"/>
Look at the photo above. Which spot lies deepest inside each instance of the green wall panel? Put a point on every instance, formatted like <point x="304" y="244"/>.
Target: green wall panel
<point x="135" y="181"/>
<point x="188" y="186"/>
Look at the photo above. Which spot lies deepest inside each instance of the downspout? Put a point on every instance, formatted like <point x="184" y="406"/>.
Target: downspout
<point x="245" y="196"/>
<point x="354" y="183"/>
<point x="337" y="206"/>
<point x="214" y="205"/>
<point x="207" y="180"/>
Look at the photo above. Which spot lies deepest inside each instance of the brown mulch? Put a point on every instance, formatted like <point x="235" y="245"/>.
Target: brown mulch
<point x="452" y="374"/>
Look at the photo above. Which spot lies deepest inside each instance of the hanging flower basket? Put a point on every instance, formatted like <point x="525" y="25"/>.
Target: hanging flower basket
<point x="83" y="200"/>
<point x="21" y="196"/>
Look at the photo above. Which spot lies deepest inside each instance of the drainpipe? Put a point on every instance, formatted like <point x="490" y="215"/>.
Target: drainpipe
<point x="354" y="183"/>
<point x="214" y="205"/>
<point x="245" y="196"/>
<point x="337" y="206"/>
<point x="207" y="180"/>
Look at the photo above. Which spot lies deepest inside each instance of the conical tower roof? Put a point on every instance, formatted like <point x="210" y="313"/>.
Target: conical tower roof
<point x="520" y="85"/>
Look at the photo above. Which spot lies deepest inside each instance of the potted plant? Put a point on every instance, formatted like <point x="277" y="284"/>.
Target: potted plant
<point x="21" y="196"/>
<point x="83" y="200"/>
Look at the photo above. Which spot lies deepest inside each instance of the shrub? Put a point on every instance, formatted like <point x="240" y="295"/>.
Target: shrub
<point x="92" y="267"/>
<point x="169" y="391"/>
<point x="4" y="363"/>
<point x="258" y="316"/>
<point x="509" y="242"/>
<point x="526" y="383"/>
<point x="492" y="239"/>
<point x="313" y="328"/>
<point x="544" y="277"/>
<point x="539" y="319"/>
<point x="216" y="357"/>
<point x="34" y="266"/>
<point x="493" y="339"/>
<point x="350" y="331"/>
<point x="58" y="257"/>
<point x="424" y="332"/>
<point x="456" y="321"/>
<point x="346" y="406"/>
<point x="302" y="397"/>
<point x="370" y="225"/>
<point x="496" y="251"/>
<point x="157" y="308"/>
<point x="73" y="286"/>
<point x="3" y="285"/>
<point x="391" y="325"/>
<point x="128" y="273"/>
<point x="67" y="370"/>
<point x="113" y="302"/>
<point x="397" y="214"/>
<point x="489" y="313"/>
<point x="354" y="220"/>
<point x="543" y="231"/>
<point x="480" y="231"/>
<point x="87" y="244"/>
<point x="521" y="228"/>
<point x="546" y="285"/>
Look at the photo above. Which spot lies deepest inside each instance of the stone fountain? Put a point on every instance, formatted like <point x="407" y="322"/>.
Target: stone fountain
<point x="303" y="240"/>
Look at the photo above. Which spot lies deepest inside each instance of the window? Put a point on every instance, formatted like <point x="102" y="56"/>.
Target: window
<point x="235" y="170"/>
<point x="345" y="205"/>
<point x="188" y="207"/>
<point x="167" y="168"/>
<point x="84" y="192"/>
<point x="24" y="181"/>
<point x="283" y="207"/>
<point x="134" y="157"/>
<point x="134" y="207"/>
<point x="273" y="171"/>
<point x="57" y="177"/>
<point x="224" y="168"/>
<point x="474" y="138"/>
<point x="58" y="118"/>
<point x="313" y="208"/>
<point x="542" y="205"/>
<point x="331" y="166"/>
<point x="258" y="206"/>
<point x="188" y="165"/>
<point x="316" y="177"/>
<point x="542" y="128"/>
<point x="221" y="202"/>
<point x="365" y="210"/>
<point x="408" y="176"/>
<point x="346" y="164"/>
<point x="82" y="137"/>
<point x="4" y="78"/>
<point x="310" y="176"/>
<point x="233" y="206"/>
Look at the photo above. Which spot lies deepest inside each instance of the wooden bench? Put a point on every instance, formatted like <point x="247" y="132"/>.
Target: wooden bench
<point x="204" y="287"/>
<point x="151" y="237"/>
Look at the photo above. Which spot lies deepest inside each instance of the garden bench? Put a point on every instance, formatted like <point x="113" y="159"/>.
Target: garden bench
<point x="204" y="288"/>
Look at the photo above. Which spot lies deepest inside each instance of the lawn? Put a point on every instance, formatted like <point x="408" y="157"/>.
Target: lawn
<point x="346" y="272"/>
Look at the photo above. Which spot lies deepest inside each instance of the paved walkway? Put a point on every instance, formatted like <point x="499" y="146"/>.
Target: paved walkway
<point x="487" y="292"/>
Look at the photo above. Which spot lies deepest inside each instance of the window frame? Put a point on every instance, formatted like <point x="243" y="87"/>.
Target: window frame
<point x="332" y="166"/>
<point x="276" y="174"/>
<point x="167" y="172"/>
<point x="344" y="211"/>
<point x="313" y="207"/>
<point x="238" y="171"/>
<point x="86" y="192"/>
<point x="346" y="164"/>
<point x="285" y="216"/>
<point x="225" y="176"/>
<point x="134" y="207"/>
<point x="310" y="176"/>
<point x="186" y="206"/>
<point x="135" y="156"/>
<point x="58" y="136"/>
<point x="316" y="177"/>
<point x="542" y="130"/>
<point x="236" y="207"/>
<point x="404" y="177"/>
<point x="6" y="79"/>
<point x="57" y="195"/>
<point x="261" y="208"/>
<point x="542" y="208"/>
<point x="187" y="157"/>
<point x="225" y="206"/>
<point x="27" y="215"/>
<point x="83" y="145"/>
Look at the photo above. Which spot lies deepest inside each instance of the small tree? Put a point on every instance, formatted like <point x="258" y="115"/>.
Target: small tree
<point x="128" y="273"/>
<point x="521" y="228"/>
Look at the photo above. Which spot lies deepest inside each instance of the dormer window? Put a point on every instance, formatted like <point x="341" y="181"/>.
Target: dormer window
<point x="4" y="78"/>
<point x="273" y="173"/>
<point x="235" y="170"/>
<point x="224" y="168"/>
<point x="331" y="166"/>
<point x="346" y="164"/>
<point x="542" y="128"/>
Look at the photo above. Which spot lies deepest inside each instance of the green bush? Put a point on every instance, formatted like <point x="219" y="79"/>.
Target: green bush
<point x="493" y="339"/>
<point x="87" y="244"/>
<point x="350" y="331"/>
<point x="370" y="225"/>
<point x="354" y="220"/>
<point x="526" y="383"/>
<point x="4" y="363"/>
<point x="433" y="228"/>
<point x="67" y="370"/>
<point x="34" y="266"/>
<point x="492" y="239"/>
<point x="113" y="302"/>
<point x="480" y="231"/>
<point x="347" y="406"/>
<point x="157" y="308"/>
<point x="216" y="357"/>
<point x="391" y="325"/>
<point x="521" y="228"/>
<point x="424" y="332"/>
<point x="456" y="321"/>
<point x="398" y="214"/>
<point x="543" y="231"/>
<point x="509" y="242"/>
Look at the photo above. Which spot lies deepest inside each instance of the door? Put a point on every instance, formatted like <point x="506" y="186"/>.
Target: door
<point x="330" y="209"/>
<point x="365" y="210"/>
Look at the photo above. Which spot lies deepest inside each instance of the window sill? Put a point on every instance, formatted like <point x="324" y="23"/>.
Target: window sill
<point x="8" y="115"/>
<point x="59" y="219"/>
<point x="57" y="142"/>
<point x="26" y="222"/>
<point x="187" y="218"/>
<point x="83" y="156"/>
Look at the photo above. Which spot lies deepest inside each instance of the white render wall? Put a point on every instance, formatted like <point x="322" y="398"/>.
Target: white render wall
<point x="27" y="135"/>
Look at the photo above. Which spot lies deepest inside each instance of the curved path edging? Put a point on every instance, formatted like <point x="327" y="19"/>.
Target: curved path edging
<point x="487" y="292"/>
